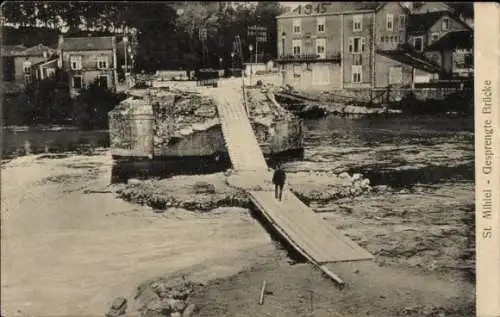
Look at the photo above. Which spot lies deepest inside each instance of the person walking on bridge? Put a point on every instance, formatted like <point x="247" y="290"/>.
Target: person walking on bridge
<point x="279" y="178"/>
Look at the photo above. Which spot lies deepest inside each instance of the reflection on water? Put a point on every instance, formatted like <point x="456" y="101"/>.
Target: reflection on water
<point x="35" y="141"/>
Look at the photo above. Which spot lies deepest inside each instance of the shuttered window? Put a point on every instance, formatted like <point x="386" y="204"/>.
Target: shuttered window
<point x="357" y="44"/>
<point x="321" y="47"/>
<point x="357" y="73"/>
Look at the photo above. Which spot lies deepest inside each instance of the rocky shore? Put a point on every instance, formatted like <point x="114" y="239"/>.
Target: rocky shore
<point x="426" y="230"/>
<point x="203" y="193"/>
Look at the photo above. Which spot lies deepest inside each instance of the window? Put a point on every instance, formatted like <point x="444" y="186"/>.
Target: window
<point x="320" y="22"/>
<point x="357" y="24"/>
<point x="389" y="22"/>
<point x="50" y="72"/>
<point x="76" y="62"/>
<point x="418" y="44"/>
<point x="309" y="47"/>
<point x="321" y="47"/>
<point x="382" y="39"/>
<point x="445" y="24"/>
<point x="402" y="22"/>
<point x="296" y="47"/>
<point x="27" y="67"/>
<point x="463" y="59"/>
<point x="357" y="59"/>
<point x="357" y="73"/>
<point x="468" y="61"/>
<point x="296" y="26"/>
<point x="103" y="81"/>
<point x="102" y="62"/>
<point x="356" y="44"/>
<point x="77" y="82"/>
<point x="435" y="36"/>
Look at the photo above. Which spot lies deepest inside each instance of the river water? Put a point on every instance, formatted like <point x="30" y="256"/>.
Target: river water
<point x="394" y="150"/>
<point x="50" y="214"/>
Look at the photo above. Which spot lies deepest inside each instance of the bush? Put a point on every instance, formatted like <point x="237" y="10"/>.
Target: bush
<point x="43" y="102"/>
<point x="91" y="107"/>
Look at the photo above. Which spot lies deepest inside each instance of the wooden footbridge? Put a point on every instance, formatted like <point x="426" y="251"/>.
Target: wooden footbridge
<point x="308" y="233"/>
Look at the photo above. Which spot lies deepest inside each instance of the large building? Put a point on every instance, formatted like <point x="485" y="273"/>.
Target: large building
<point x="341" y="45"/>
<point x="89" y="59"/>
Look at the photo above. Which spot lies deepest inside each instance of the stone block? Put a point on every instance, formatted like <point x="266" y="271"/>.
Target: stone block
<point x="189" y="311"/>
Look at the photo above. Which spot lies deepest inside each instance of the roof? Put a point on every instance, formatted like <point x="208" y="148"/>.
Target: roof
<point x="427" y="7"/>
<point x="21" y="50"/>
<point x="334" y="8"/>
<point x="453" y="40"/>
<point x="93" y="43"/>
<point x="413" y="59"/>
<point x="12" y="50"/>
<point x="420" y="23"/>
<point x="47" y="62"/>
<point x="38" y="50"/>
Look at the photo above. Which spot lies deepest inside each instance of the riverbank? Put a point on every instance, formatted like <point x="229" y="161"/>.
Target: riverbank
<point x="70" y="246"/>
<point x="422" y="238"/>
<point x="73" y="272"/>
<point x="85" y="245"/>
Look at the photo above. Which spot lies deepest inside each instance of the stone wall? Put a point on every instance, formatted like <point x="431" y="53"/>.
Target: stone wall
<point x="379" y="95"/>
<point x="186" y="124"/>
<point x="131" y="129"/>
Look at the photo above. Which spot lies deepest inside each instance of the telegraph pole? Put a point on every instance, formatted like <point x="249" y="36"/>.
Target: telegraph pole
<point x="239" y="51"/>
<point x="260" y="34"/>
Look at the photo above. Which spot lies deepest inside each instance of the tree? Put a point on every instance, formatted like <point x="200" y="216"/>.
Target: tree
<point x="47" y="101"/>
<point x="91" y="107"/>
<point x="11" y="11"/>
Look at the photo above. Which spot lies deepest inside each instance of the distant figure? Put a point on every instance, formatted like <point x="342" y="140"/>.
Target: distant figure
<point x="279" y="178"/>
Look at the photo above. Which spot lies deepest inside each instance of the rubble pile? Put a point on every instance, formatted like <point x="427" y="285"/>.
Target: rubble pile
<point x="204" y="193"/>
<point x="327" y="186"/>
<point x="179" y="113"/>
<point x="195" y="193"/>
<point x="169" y="298"/>
<point x="160" y="298"/>
<point x="328" y="103"/>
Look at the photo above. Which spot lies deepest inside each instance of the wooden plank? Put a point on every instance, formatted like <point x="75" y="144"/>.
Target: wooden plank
<point x="331" y="246"/>
<point x="304" y="243"/>
<point x="312" y="220"/>
<point x="294" y="230"/>
<point x="329" y="231"/>
<point x="297" y="226"/>
<point x="306" y="234"/>
<point x="333" y="276"/>
<point x="262" y="291"/>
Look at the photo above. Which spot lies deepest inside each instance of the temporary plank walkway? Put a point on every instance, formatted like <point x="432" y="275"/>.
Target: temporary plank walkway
<point x="310" y="235"/>
<point x="239" y="136"/>
<point x="307" y="232"/>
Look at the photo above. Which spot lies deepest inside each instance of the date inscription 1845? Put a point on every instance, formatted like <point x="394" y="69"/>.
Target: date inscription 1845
<point x="310" y="8"/>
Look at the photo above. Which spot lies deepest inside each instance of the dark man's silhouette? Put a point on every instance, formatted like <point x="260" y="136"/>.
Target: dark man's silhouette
<point x="279" y="178"/>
